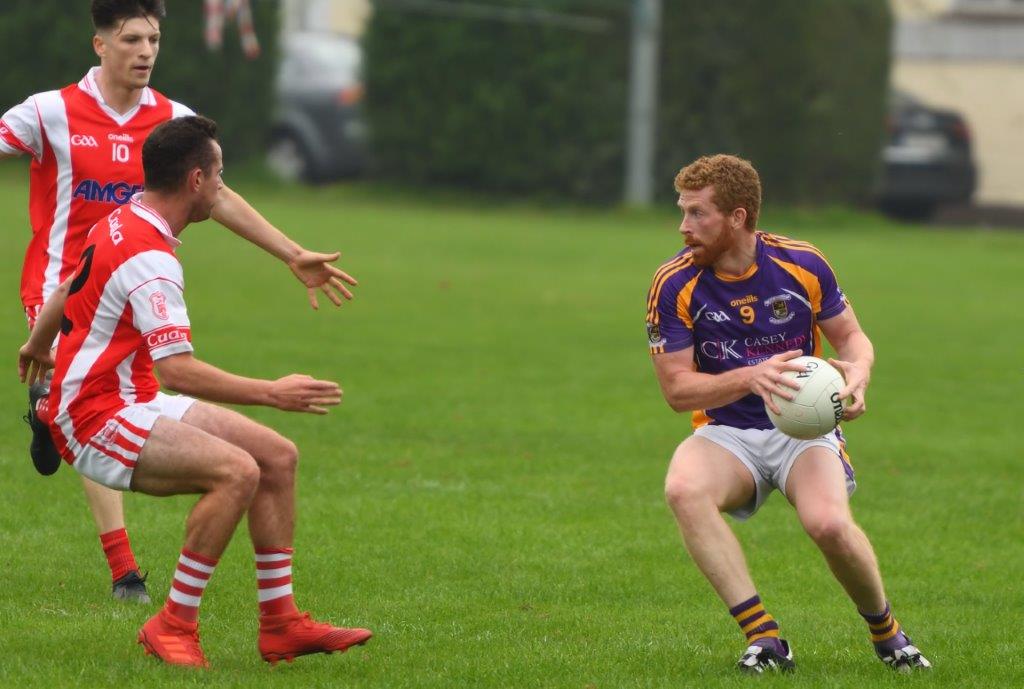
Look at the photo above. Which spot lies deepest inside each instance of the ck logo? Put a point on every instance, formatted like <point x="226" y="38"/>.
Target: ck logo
<point x="84" y="140"/>
<point x="717" y="316"/>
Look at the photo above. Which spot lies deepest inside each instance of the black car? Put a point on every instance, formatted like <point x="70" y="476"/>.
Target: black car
<point x="927" y="159"/>
<point x="318" y="132"/>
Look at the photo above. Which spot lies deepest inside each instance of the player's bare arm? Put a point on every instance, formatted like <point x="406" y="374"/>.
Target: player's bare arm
<point x="856" y="356"/>
<point x="314" y="270"/>
<point x="686" y="389"/>
<point x="35" y="357"/>
<point x="187" y="375"/>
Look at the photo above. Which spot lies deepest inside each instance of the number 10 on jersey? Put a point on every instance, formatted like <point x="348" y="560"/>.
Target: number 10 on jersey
<point x="120" y="153"/>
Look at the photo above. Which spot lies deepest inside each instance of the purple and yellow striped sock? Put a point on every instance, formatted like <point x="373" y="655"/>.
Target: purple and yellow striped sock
<point x="754" y="620"/>
<point x="886" y="633"/>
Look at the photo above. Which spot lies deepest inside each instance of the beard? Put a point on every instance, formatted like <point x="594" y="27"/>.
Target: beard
<point x="705" y="254"/>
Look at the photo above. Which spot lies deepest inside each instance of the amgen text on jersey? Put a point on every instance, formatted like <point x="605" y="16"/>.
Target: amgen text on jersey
<point x="111" y="192"/>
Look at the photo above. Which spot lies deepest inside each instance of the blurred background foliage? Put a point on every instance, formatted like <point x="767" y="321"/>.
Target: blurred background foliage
<point x="540" y="107"/>
<point x="499" y="106"/>
<point x="531" y="98"/>
<point x="224" y="85"/>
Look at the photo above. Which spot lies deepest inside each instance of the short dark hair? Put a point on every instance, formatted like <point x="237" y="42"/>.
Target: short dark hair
<point x="175" y="148"/>
<point x="106" y="14"/>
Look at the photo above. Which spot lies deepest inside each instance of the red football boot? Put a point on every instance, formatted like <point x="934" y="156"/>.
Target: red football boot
<point x="172" y="640"/>
<point x="293" y="634"/>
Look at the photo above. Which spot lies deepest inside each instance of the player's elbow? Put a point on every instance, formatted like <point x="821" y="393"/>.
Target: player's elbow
<point x="679" y="393"/>
<point x="679" y="401"/>
<point x="679" y="407"/>
<point x="171" y="381"/>
<point x="173" y="373"/>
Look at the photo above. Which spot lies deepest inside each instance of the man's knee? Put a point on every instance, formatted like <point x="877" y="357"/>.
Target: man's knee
<point x="280" y="459"/>
<point x="686" y="494"/>
<point x="239" y="474"/>
<point x="830" y="529"/>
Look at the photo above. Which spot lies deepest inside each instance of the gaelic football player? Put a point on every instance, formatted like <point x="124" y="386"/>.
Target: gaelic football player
<point x="85" y="144"/>
<point x="120" y="315"/>
<point x="724" y="317"/>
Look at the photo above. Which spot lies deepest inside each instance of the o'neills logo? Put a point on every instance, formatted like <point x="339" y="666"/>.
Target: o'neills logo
<point x="127" y="138"/>
<point x="171" y="334"/>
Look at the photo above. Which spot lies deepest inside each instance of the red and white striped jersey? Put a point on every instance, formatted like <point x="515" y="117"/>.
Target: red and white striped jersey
<point x="86" y="161"/>
<point x="125" y="309"/>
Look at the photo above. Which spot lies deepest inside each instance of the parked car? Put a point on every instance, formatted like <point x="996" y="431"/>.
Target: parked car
<point x="927" y="159"/>
<point x="318" y="132"/>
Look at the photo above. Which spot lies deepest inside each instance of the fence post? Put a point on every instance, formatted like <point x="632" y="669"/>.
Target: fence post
<point x="643" y="102"/>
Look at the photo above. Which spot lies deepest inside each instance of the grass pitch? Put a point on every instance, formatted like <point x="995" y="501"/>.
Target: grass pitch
<point x="488" y="497"/>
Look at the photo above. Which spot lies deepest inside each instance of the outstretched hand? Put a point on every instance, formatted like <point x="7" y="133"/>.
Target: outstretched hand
<point x="299" y="392"/>
<point x="315" y="271"/>
<point x="767" y="378"/>
<point x="33" y="364"/>
<point x="857" y="377"/>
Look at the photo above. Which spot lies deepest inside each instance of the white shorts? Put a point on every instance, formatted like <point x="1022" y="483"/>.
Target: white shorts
<point x="769" y="456"/>
<point x="109" y="457"/>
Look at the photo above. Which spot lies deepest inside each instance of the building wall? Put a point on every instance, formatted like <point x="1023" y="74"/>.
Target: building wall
<point x="951" y="54"/>
<point x="347" y="17"/>
<point x="916" y="9"/>
<point x="991" y="96"/>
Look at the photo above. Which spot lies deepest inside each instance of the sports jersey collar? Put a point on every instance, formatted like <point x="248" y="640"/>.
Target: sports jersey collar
<point x="749" y="272"/>
<point x="153" y="218"/>
<point x="89" y="85"/>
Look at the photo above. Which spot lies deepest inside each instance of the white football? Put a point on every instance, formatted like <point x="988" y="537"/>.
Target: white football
<point x="817" y="409"/>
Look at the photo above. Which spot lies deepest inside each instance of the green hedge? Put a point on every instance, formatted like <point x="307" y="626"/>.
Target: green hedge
<point x="48" y="45"/>
<point x="496" y="106"/>
<point x="796" y="86"/>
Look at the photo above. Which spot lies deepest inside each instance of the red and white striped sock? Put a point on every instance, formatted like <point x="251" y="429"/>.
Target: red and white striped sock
<point x="190" y="580"/>
<point x="274" y="578"/>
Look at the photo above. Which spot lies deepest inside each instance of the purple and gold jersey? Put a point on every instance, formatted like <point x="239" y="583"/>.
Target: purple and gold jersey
<point x="741" y="321"/>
